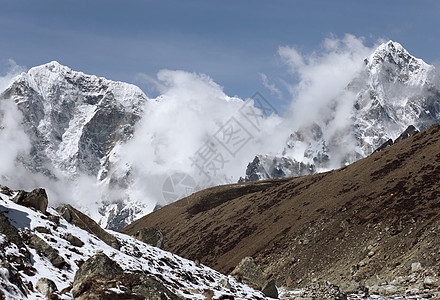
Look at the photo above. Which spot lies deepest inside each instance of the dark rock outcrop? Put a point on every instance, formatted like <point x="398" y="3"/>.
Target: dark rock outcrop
<point x="10" y="232"/>
<point x="73" y="240"/>
<point x="411" y="130"/>
<point x="152" y="236"/>
<point x="46" y="250"/>
<point x="36" y="199"/>
<point x="250" y="273"/>
<point x="99" y="276"/>
<point x="84" y="222"/>
<point x="406" y="134"/>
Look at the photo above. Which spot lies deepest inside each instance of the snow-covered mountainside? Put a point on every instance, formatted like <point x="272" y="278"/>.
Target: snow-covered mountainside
<point x="36" y="245"/>
<point x="74" y="121"/>
<point x="393" y="91"/>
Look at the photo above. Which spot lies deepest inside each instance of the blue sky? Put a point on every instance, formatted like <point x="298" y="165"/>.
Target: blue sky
<point x="231" y="41"/>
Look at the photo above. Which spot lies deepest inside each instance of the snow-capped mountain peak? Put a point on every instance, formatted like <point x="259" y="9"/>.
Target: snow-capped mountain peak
<point x="393" y="91"/>
<point x="398" y="64"/>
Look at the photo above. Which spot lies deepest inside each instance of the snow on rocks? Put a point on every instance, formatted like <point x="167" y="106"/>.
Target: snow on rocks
<point x="180" y="276"/>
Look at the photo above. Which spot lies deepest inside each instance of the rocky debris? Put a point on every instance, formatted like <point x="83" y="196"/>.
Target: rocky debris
<point x="250" y="273"/>
<point x="419" y="281"/>
<point x="11" y="233"/>
<point x="84" y="222"/>
<point x="99" y="277"/>
<point x="152" y="236"/>
<point x="14" y="278"/>
<point x="73" y="240"/>
<point x="46" y="250"/>
<point x="322" y="290"/>
<point x="46" y="286"/>
<point x="36" y="199"/>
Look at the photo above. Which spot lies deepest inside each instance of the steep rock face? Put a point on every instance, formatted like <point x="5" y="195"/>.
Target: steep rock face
<point x="393" y="91"/>
<point x="73" y="119"/>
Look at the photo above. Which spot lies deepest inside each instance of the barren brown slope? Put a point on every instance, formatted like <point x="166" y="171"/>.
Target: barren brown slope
<point x="374" y="217"/>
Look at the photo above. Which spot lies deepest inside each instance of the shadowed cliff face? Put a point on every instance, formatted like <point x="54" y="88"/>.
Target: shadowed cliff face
<point x="374" y="217"/>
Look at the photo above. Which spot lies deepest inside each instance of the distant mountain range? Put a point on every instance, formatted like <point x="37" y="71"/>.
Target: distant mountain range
<point x="393" y="91"/>
<point x="76" y="124"/>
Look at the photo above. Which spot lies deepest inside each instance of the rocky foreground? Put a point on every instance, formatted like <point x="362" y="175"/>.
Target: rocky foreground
<point x="63" y="254"/>
<point x="372" y="226"/>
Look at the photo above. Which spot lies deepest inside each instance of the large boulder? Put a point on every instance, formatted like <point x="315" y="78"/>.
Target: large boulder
<point x="98" y="265"/>
<point x="250" y="273"/>
<point x="84" y="222"/>
<point x="36" y="199"/>
<point x="152" y="236"/>
<point x="46" y="286"/>
<point x="102" y="278"/>
<point x="46" y="250"/>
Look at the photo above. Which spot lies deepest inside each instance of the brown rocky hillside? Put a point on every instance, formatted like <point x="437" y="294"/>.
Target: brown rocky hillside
<point x="375" y="222"/>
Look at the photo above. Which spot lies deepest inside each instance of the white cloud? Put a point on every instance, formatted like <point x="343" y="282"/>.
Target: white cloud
<point x="270" y="86"/>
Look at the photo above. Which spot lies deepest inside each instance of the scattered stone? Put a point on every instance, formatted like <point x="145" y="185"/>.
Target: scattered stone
<point x="46" y="286"/>
<point x="431" y="282"/>
<point x="79" y="219"/>
<point x="415" y="267"/>
<point x="73" y="240"/>
<point x="46" y="250"/>
<point x="224" y="282"/>
<point x="36" y="199"/>
<point x="152" y="236"/>
<point x="322" y="290"/>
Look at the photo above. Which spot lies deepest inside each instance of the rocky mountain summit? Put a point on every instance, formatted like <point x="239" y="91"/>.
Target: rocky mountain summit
<point x="370" y="227"/>
<point x="63" y="254"/>
<point x="393" y="91"/>
<point x="74" y="123"/>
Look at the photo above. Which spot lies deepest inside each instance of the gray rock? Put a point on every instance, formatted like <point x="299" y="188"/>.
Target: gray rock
<point x="46" y="250"/>
<point x="74" y="240"/>
<point x="98" y="265"/>
<point x="99" y="276"/>
<point x="46" y="286"/>
<point x="322" y="290"/>
<point x="415" y="267"/>
<point x="249" y="272"/>
<point x="42" y="229"/>
<point x="152" y="236"/>
<point x="269" y="289"/>
<point x="225" y="283"/>
<point x="36" y="199"/>
<point x="84" y="222"/>
<point x="431" y="281"/>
